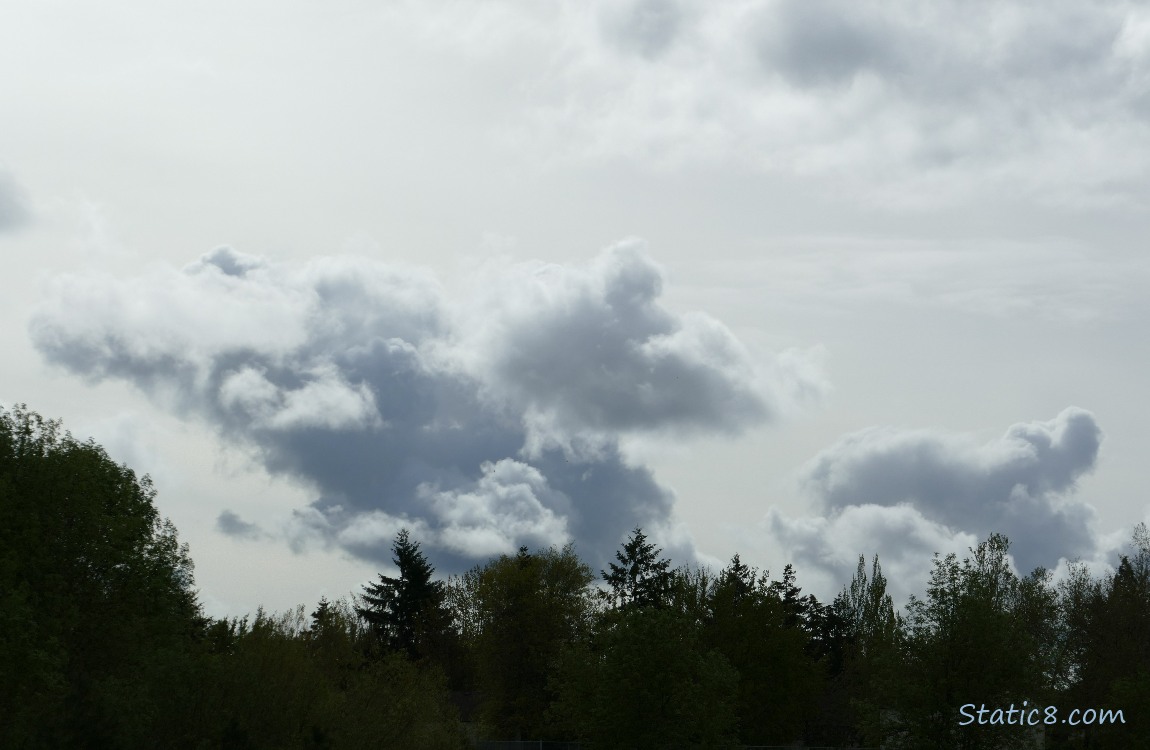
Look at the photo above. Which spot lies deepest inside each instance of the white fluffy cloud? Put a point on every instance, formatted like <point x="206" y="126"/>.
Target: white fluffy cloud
<point x="483" y="419"/>
<point x="510" y="505"/>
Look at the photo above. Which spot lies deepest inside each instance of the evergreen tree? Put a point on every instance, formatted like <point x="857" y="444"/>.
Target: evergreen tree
<point x="787" y="592"/>
<point x="642" y="578"/>
<point x="407" y="613"/>
<point x="779" y="684"/>
<point x="322" y="616"/>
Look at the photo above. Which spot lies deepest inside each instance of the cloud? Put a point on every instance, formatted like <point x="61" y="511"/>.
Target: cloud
<point x="826" y="548"/>
<point x="229" y="523"/>
<point x="1051" y="280"/>
<point x="482" y="418"/>
<point x="814" y="42"/>
<point x="648" y="27"/>
<point x="590" y="352"/>
<point x="13" y="204"/>
<point x="913" y="104"/>
<point x="909" y="493"/>
<point x="511" y="503"/>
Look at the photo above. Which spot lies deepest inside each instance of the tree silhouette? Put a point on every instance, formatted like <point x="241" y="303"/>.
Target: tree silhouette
<point x="406" y="613"/>
<point x="642" y="578"/>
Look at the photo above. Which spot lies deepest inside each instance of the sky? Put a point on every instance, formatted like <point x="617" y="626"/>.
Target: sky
<point x="798" y="279"/>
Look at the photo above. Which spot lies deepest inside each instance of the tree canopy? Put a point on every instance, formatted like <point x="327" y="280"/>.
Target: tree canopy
<point x="103" y="642"/>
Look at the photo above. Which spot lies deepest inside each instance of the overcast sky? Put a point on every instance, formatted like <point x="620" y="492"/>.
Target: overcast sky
<point x="798" y="279"/>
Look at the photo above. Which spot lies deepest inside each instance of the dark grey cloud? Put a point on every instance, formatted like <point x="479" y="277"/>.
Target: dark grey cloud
<point x="481" y="419"/>
<point x="227" y="262"/>
<point x="595" y="352"/>
<point x="231" y="524"/>
<point x="13" y="204"/>
<point x="1020" y="484"/>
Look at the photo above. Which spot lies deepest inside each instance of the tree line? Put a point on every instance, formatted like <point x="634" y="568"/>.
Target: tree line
<point x="103" y="643"/>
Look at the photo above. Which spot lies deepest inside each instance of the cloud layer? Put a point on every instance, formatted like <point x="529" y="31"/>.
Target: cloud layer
<point x="914" y="492"/>
<point x="913" y="102"/>
<point x="483" y="418"/>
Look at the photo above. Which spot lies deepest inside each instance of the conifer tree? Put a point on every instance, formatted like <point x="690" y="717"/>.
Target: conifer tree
<point x="406" y="613"/>
<point x="642" y="578"/>
<point x="788" y="592"/>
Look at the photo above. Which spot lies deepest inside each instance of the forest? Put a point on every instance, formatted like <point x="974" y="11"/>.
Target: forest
<point x="104" y="644"/>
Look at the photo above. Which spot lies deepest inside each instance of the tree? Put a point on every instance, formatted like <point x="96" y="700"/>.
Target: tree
<point x="642" y="578"/>
<point x="1106" y="631"/>
<point x="407" y="613"/>
<point x="96" y="592"/>
<point x="868" y="609"/>
<point x="871" y="666"/>
<point x="278" y="683"/>
<point x="974" y="635"/>
<point x="787" y="592"/>
<point x="527" y="608"/>
<point x="750" y="626"/>
<point x="647" y="681"/>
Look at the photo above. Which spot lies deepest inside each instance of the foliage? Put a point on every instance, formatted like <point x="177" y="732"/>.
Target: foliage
<point x="974" y="635"/>
<point x="95" y="589"/>
<point x="527" y="607"/>
<point x="647" y="681"/>
<point x="103" y="643"/>
<point x="407" y="613"/>
<point x="642" y="578"/>
<point x="871" y="669"/>
<point x="751" y="625"/>
<point x="278" y="683"/>
<point x="1106" y="627"/>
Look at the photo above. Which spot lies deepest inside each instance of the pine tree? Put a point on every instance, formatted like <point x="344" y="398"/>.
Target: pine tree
<point x="787" y="592"/>
<point x="406" y="613"/>
<point x="642" y="579"/>
<point x="322" y="615"/>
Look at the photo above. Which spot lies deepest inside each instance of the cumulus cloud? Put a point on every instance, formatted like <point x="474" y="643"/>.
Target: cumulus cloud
<point x="482" y="419"/>
<point x="913" y="492"/>
<point x="511" y="503"/>
<point x="827" y="547"/>
<point x="590" y="352"/>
